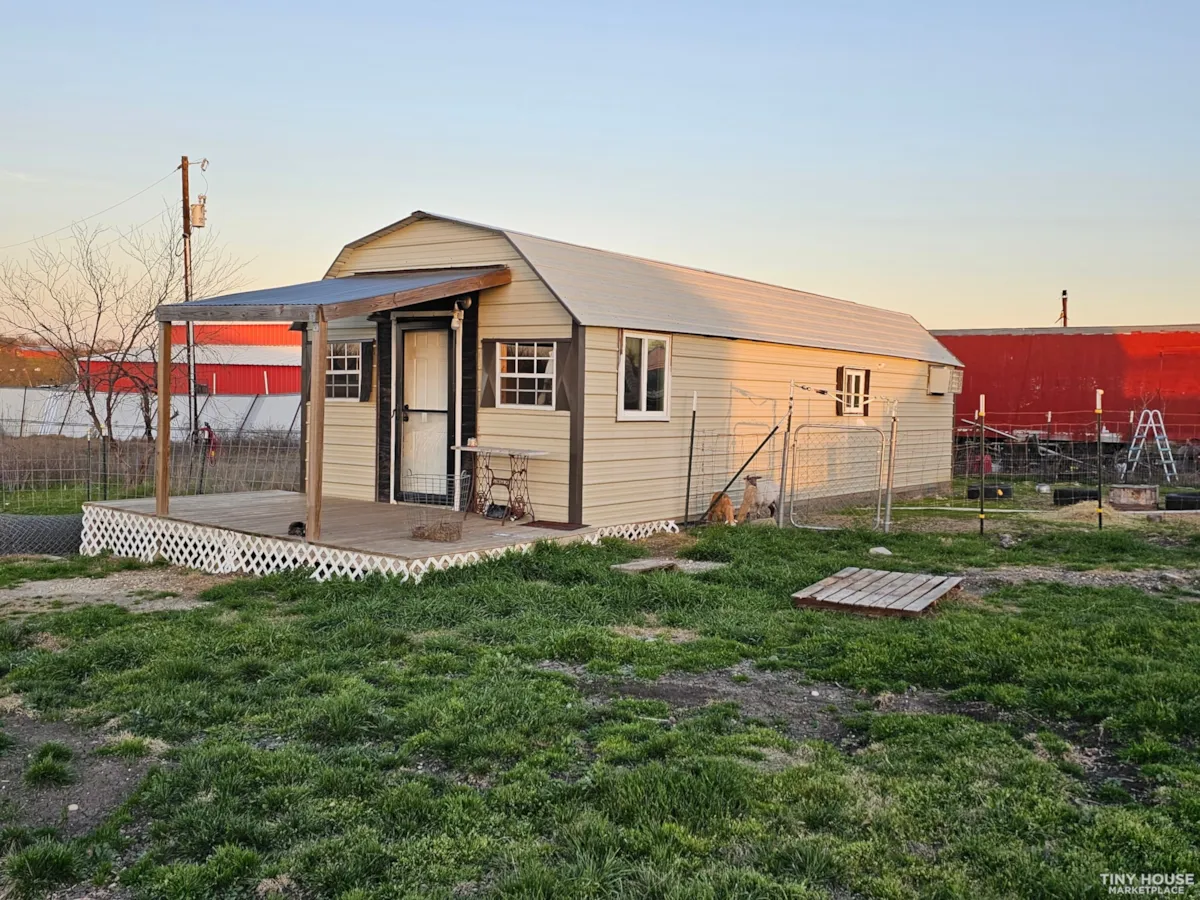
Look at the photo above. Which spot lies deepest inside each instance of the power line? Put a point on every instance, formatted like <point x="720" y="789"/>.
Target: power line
<point x="93" y="215"/>
<point x="122" y="237"/>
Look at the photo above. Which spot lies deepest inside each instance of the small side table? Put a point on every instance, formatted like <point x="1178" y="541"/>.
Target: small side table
<point x="516" y="483"/>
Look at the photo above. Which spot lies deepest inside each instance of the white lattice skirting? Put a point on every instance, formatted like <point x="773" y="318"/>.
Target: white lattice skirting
<point x="220" y="551"/>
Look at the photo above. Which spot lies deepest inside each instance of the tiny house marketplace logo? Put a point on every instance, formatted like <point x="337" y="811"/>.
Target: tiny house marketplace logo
<point x="1149" y="884"/>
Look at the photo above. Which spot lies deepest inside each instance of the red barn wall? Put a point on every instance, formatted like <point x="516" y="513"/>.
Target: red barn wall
<point x="229" y="379"/>
<point x="243" y="334"/>
<point x="1026" y="375"/>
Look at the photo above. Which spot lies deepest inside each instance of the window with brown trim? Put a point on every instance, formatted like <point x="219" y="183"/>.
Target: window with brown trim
<point x="343" y="370"/>
<point x="525" y="374"/>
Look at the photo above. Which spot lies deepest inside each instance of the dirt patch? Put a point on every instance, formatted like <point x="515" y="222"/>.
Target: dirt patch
<point x="1085" y="514"/>
<point x="141" y="590"/>
<point x="101" y="783"/>
<point x="983" y="581"/>
<point x="805" y="710"/>
<point x="801" y="709"/>
<point x="670" y="635"/>
<point x="12" y="705"/>
<point x="667" y="543"/>
<point x="91" y="892"/>
<point x="48" y="642"/>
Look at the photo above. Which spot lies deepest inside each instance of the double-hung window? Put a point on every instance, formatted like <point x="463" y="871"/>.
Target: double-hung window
<point x="645" y="376"/>
<point x="343" y="370"/>
<point x="525" y="374"/>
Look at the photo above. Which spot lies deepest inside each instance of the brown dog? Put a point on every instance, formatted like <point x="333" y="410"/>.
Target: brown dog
<point x="720" y="509"/>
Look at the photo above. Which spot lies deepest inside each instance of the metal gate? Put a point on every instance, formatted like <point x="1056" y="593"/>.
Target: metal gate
<point x="836" y="476"/>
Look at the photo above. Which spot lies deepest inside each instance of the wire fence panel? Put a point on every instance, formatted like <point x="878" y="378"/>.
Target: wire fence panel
<point x="26" y="412"/>
<point x="225" y="462"/>
<point x="51" y="474"/>
<point x="752" y="449"/>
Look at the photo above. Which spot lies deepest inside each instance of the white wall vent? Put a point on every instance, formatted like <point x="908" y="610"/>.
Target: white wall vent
<point x="944" y="380"/>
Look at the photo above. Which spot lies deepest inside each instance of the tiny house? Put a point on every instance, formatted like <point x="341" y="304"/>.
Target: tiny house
<point x="434" y="334"/>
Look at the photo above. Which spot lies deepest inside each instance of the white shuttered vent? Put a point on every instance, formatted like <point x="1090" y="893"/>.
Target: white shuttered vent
<point x="944" y="380"/>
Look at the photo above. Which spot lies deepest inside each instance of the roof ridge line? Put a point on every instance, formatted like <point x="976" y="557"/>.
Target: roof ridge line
<point x="508" y="232"/>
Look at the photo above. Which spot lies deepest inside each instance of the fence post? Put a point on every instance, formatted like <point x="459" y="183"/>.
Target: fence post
<point x="891" y="479"/>
<point x="982" y="417"/>
<point x="687" y="497"/>
<point x="21" y="424"/>
<point x="103" y="464"/>
<point x="783" y="465"/>
<point x="204" y="448"/>
<point x="89" y="464"/>
<point x="1099" y="459"/>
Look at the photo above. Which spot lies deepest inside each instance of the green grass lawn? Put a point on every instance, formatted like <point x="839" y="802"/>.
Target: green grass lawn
<point x="380" y="739"/>
<point x="63" y="499"/>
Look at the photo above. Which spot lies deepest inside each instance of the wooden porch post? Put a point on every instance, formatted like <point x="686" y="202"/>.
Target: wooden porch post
<point x="162" y="471"/>
<point x="316" y="426"/>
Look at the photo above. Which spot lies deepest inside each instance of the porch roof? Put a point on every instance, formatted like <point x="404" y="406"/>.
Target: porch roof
<point x="337" y="298"/>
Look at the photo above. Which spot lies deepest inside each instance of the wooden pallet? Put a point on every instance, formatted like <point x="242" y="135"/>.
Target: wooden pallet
<point x="876" y="592"/>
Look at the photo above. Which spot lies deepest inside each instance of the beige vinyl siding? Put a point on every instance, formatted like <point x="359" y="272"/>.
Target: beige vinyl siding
<point x="349" y="464"/>
<point x="524" y="304"/>
<point x="522" y="309"/>
<point x="636" y="470"/>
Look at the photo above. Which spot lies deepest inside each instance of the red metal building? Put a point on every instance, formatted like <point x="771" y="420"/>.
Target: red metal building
<point x="231" y="358"/>
<point x="1044" y="380"/>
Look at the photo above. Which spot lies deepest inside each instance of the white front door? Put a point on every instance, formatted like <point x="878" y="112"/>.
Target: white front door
<point x="424" y="414"/>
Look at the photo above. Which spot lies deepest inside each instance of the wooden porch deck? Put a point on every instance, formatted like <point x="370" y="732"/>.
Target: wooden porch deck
<point x="355" y="525"/>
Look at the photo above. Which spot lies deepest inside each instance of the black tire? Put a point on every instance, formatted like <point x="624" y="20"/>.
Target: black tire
<point x="990" y="492"/>
<point x="1183" y="501"/>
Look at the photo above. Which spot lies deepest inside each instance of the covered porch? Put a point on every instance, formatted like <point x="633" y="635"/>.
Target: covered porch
<point x="440" y="297"/>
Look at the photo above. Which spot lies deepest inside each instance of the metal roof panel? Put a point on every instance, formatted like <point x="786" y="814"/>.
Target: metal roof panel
<point x="301" y="299"/>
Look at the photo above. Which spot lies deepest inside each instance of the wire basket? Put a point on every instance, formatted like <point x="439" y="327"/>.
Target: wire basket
<point x="434" y="516"/>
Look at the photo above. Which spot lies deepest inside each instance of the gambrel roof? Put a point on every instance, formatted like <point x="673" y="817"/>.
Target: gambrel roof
<point x="602" y="288"/>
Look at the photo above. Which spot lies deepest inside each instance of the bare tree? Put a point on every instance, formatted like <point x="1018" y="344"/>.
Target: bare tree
<point x="91" y="299"/>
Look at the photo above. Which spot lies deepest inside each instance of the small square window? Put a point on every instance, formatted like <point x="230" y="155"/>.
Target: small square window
<point x="525" y="374"/>
<point x="343" y="373"/>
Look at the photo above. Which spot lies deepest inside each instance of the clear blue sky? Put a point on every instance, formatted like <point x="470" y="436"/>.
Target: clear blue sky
<point x="961" y="161"/>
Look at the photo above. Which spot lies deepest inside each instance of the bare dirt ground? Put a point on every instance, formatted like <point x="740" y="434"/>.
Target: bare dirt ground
<point x="140" y="590"/>
<point x="806" y="710"/>
<point x="983" y="581"/>
<point x="100" y="783"/>
<point x="668" y="544"/>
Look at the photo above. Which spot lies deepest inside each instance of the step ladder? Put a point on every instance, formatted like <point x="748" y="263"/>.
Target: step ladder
<point x="1150" y="425"/>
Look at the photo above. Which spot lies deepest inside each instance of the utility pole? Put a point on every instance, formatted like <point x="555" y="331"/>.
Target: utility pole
<point x="1063" y="316"/>
<point x="187" y="296"/>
